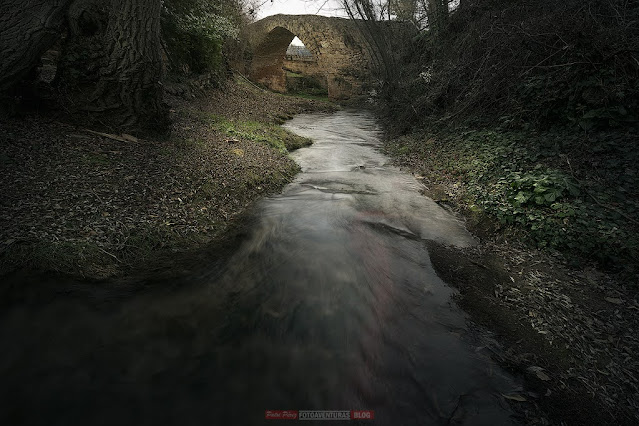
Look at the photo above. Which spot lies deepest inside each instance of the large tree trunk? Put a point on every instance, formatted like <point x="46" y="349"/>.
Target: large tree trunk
<point x="130" y="84"/>
<point x="111" y="64"/>
<point x="27" y="29"/>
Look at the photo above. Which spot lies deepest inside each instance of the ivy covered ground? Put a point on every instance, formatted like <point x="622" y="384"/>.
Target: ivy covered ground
<point x="574" y="193"/>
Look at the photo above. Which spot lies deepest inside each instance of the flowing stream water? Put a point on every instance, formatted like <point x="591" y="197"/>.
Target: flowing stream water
<point x="329" y="303"/>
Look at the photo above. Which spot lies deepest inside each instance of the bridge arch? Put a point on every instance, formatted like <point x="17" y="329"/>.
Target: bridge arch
<point x="341" y="60"/>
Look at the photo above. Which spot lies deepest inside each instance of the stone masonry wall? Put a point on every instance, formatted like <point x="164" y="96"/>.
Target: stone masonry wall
<point x="337" y="45"/>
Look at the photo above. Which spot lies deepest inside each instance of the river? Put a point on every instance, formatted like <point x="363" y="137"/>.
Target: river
<point x="329" y="303"/>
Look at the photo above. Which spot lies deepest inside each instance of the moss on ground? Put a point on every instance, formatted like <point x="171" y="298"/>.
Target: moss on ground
<point x="314" y="96"/>
<point x="271" y="134"/>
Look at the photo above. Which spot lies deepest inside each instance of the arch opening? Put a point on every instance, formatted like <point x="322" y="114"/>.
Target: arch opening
<point x="303" y="74"/>
<point x="283" y="63"/>
<point x="342" y="60"/>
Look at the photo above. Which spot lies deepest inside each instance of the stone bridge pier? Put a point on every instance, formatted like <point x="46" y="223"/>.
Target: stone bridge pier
<point x="340" y="55"/>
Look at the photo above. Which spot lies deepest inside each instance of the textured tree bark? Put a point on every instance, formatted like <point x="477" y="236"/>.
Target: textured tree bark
<point x="82" y="53"/>
<point x="27" y="29"/>
<point x="130" y="83"/>
<point x="114" y="55"/>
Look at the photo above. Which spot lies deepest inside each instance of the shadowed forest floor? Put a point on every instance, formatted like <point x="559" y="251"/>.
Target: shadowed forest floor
<point x="94" y="205"/>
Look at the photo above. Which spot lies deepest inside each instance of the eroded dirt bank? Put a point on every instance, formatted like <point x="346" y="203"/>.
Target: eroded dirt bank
<point x="97" y="205"/>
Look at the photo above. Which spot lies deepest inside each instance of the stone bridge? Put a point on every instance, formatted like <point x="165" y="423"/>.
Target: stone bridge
<point x="341" y="59"/>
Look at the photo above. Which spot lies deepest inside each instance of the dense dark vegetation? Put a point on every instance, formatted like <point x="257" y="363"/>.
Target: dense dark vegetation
<point x="529" y="108"/>
<point x="200" y="36"/>
<point x="525" y="64"/>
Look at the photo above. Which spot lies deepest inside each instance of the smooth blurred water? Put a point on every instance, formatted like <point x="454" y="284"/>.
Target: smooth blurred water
<point x="330" y="303"/>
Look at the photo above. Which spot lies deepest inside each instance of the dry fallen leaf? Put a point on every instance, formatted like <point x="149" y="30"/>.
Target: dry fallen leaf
<point x="515" y="397"/>
<point x="614" y="300"/>
<point x="539" y="372"/>
<point x="129" y="138"/>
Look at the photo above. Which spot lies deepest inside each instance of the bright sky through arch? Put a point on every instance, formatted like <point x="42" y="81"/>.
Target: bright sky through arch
<point x="302" y="7"/>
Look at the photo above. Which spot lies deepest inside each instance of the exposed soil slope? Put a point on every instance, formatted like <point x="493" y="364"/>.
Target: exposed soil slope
<point x="76" y="201"/>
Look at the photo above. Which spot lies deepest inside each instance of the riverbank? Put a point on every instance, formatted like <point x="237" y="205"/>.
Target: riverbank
<point x="554" y="275"/>
<point x="99" y="205"/>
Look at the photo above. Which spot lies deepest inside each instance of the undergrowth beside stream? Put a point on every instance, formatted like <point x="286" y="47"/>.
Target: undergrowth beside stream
<point x="570" y="192"/>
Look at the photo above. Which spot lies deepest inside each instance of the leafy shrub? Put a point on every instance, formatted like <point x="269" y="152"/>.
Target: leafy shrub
<point x="195" y="32"/>
<point x="541" y="187"/>
<point x="596" y="99"/>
